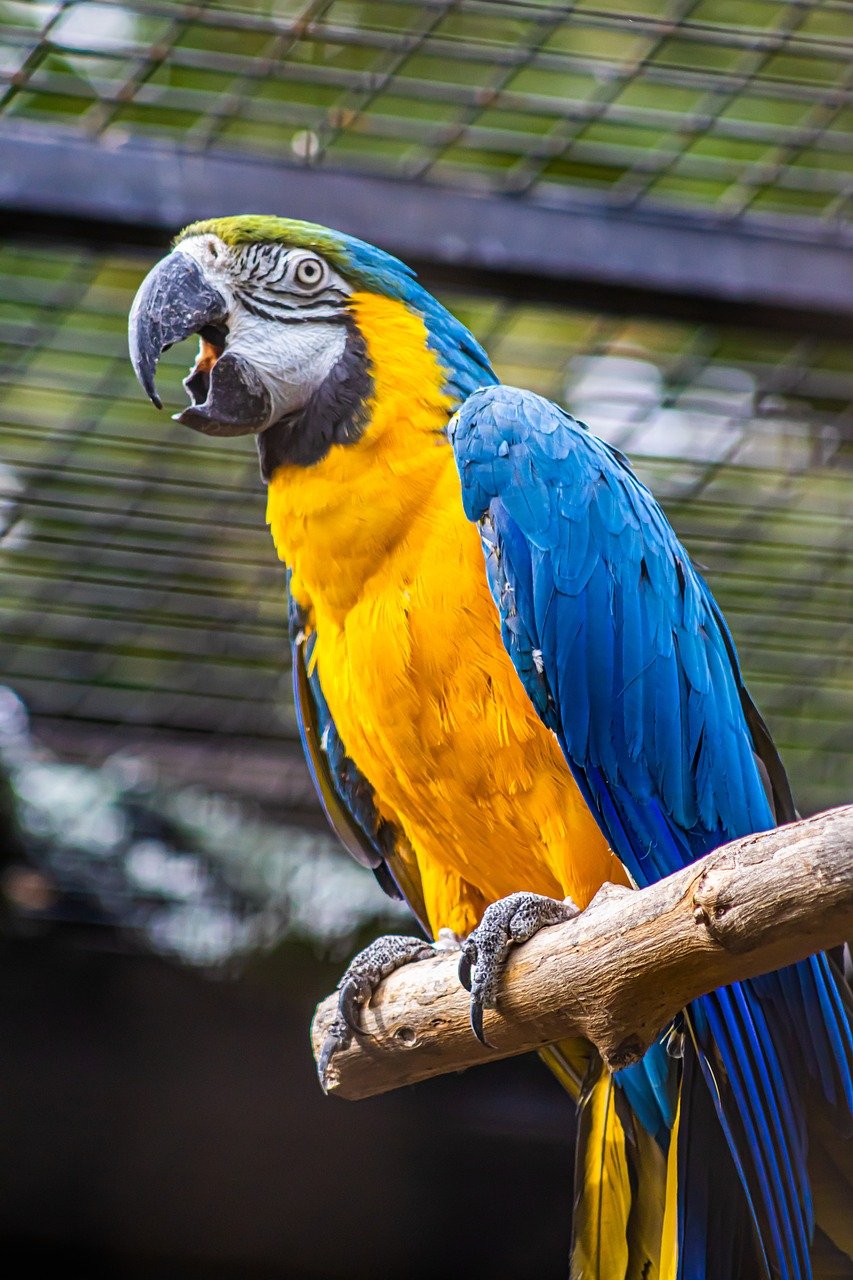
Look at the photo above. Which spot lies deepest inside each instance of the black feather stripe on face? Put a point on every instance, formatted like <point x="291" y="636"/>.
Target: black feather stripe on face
<point x="294" y="310"/>
<point x="337" y="413"/>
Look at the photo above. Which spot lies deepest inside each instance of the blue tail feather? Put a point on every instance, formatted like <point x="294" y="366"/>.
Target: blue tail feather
<point x="710" y="1205"/>
<point x="651" y="1087"/>
<point x="756" y="1163"/>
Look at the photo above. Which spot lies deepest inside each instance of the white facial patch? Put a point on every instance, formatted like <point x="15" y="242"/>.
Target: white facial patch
<point x="294" y="354"/>
<point x="292" y="359"/>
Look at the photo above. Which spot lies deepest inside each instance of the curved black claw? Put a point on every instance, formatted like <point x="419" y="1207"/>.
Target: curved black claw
<point x="363" y="975"/>
<point x="348" y="1002"/>
<point x="511" y="920"/>
<point x="465" y="960"/>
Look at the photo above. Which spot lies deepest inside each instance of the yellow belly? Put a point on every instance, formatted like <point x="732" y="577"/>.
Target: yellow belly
<point x="409" y="652"/>
<point x="431" y="710"/>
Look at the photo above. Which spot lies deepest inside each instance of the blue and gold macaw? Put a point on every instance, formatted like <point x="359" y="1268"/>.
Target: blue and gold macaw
<point x="514" y="687"/>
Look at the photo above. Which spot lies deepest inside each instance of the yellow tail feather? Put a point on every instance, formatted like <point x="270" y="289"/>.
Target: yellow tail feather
<point x="647" y="1240"/>
<point x="669" y="1235"/>
<point x="569" y="1061"/>
<point x="625" y="1216"/>
<point x="602" y="1186"/>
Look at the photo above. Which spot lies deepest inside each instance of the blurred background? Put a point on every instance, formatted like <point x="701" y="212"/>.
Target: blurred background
<point x="641" y="208"/>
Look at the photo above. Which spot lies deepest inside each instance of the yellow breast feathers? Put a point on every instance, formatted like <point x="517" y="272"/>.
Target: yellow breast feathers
<point x="409" y="652"/>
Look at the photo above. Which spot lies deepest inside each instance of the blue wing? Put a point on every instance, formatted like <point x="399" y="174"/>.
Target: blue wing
<point x="345" y="794"/>
<point x="626" y="656"/>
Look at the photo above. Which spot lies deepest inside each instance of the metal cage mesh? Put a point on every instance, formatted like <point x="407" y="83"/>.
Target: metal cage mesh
<point x="728" y="106"/>
<point x="140" y="588"/>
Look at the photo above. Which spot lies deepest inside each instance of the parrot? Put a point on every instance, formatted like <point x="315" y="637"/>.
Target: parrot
<point x="514" y="687"/>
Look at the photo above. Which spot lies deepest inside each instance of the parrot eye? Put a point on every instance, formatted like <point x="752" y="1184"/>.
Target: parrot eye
<point x="309" y="272"/>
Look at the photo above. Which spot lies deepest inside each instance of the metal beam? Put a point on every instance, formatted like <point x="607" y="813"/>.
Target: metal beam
<point x="698" y="259"/>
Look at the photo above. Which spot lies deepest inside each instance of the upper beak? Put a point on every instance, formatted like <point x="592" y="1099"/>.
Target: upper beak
<point x="174" y="301"/>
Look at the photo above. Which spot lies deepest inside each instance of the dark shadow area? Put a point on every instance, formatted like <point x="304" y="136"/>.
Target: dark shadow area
<point x="160" y="1123"/>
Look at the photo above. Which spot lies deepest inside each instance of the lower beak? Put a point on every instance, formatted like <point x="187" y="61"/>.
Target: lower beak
<point x="229" y="398"/>
<point x="174" y="301"/>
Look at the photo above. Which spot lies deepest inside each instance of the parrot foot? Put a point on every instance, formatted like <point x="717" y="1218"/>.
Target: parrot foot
<point x="360" y="980"/>
<point x="511" y="920"/>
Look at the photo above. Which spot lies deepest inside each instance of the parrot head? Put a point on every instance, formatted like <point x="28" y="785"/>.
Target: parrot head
<point x="282" y="354"/>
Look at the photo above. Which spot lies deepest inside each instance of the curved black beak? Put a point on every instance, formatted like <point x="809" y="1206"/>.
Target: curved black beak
<point x="173" y="302"/>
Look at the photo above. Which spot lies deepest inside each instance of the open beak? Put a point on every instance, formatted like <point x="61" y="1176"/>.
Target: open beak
<point x="174" y="301"/>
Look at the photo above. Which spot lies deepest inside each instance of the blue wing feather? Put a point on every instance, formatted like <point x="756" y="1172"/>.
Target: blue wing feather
<point x="618" y="639"/>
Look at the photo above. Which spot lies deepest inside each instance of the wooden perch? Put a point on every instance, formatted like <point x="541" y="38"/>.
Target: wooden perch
<point x="619" y="972"/>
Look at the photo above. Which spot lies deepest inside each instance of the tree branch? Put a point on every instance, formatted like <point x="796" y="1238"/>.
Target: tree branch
<point x="621" y="971"/>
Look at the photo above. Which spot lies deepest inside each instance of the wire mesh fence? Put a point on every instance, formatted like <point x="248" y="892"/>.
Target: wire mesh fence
<point x="142" y="608"/>
<point x="733" y="107"/>
<point x="140" y="589"/>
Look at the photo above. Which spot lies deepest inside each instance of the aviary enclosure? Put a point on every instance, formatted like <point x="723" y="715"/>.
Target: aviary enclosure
<point x="642" y="211"/>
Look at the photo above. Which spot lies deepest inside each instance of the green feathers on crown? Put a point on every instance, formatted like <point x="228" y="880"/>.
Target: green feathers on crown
<point x="252" y="228"/>
<point x="368" y="268"/>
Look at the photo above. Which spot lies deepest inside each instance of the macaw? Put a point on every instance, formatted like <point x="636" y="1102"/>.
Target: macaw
<point x="513" y="687"/>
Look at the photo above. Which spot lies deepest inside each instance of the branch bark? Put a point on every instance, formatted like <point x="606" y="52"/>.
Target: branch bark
<point x="621" y="971"/>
